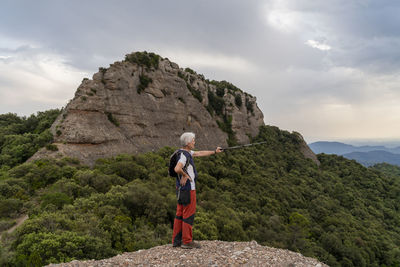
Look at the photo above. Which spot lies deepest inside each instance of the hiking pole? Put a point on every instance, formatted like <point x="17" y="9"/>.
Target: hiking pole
<point x="241" y="146"/>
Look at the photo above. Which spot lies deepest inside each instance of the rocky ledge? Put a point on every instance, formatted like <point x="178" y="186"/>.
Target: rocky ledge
<point x="212" y="253"/>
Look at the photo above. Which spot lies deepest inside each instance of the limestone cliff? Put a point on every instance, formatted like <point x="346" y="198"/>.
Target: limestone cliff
<point x="146" y="102"/>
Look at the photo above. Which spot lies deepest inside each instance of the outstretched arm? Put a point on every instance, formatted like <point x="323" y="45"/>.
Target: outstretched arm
<point x="205" y="153"/>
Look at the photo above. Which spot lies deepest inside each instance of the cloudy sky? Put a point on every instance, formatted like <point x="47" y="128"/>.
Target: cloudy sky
<point x="329" y="69"/>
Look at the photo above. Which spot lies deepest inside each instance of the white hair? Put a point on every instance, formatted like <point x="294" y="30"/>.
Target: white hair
<point x="186" y="138"/>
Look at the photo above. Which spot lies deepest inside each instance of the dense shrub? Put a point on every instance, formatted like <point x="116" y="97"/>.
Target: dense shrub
<point x="220" y="91"/>
<point x="21" y="137"/>
<point x="190" y="70"/>
<point x="195" y="93"/>
<point x="56" y="199"/>
<point x="249" y="106"/>
<point x="225" y="85"/>
<point x="42" y="248"/>
<point x="341" y="212"/>
<point x="10" y="207"/>
<point x="215" y="104"/>
<point x="226" y="126"/>
<point x="112" y="119"/>
<point x="149" y="60"/>
<point x="238" y="100"/>
<point x="144" y="83"/>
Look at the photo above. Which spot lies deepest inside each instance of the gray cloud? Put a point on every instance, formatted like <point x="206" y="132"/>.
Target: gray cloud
<point x="275" y="50"/>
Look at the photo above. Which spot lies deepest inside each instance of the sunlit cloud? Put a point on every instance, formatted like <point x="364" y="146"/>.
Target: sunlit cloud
<point x="318" y="45"/>
<point x="36" y="79"/>
<point x="283" y="20"/>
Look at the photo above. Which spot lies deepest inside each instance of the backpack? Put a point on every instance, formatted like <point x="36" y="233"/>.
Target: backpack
<point x="173" y="160"/>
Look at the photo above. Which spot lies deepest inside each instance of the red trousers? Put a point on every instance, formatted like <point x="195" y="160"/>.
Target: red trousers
<point x="184" y="221"/>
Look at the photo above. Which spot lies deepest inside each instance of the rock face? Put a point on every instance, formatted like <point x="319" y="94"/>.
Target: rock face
<point x="212" y="253"/>
<point x="306" y="150"/>
<point x="146" y="102"/>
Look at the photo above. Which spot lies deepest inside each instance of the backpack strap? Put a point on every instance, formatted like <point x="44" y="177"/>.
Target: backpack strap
<point x="186" y="164"/>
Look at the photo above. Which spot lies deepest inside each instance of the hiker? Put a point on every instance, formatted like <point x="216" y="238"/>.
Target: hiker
<point x="186" y="190"/>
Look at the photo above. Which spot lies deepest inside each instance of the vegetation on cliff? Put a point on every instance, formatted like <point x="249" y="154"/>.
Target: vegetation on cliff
<point x="341" y="213"/>
<point x="149" y="60"/>
<point x="216" y="102"/>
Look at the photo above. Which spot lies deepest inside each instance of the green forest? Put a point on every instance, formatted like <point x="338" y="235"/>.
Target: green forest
<point x="21" y="137"/>
<point x="339" y="212"/>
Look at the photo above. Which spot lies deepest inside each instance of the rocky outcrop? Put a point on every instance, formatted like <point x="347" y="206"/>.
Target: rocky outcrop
<point x="146" y="102"/>
<point x="212" y="253"/>
<point x="306" y="150"/>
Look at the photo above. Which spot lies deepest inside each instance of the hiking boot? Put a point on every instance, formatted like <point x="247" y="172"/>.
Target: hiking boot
<point x="176" y="245"/>
<point x="191" y="245"/>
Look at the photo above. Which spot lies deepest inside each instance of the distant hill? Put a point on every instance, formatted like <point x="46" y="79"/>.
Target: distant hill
<point x="331" y="148"/>
<point x="374" y="157"/>
<point x="341" y="148"/>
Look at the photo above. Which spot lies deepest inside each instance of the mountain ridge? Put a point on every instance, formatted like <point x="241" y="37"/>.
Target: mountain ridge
<point x="366" y="155"/>
<point x="339" y="148"/>
<point x="374" y="157"/>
